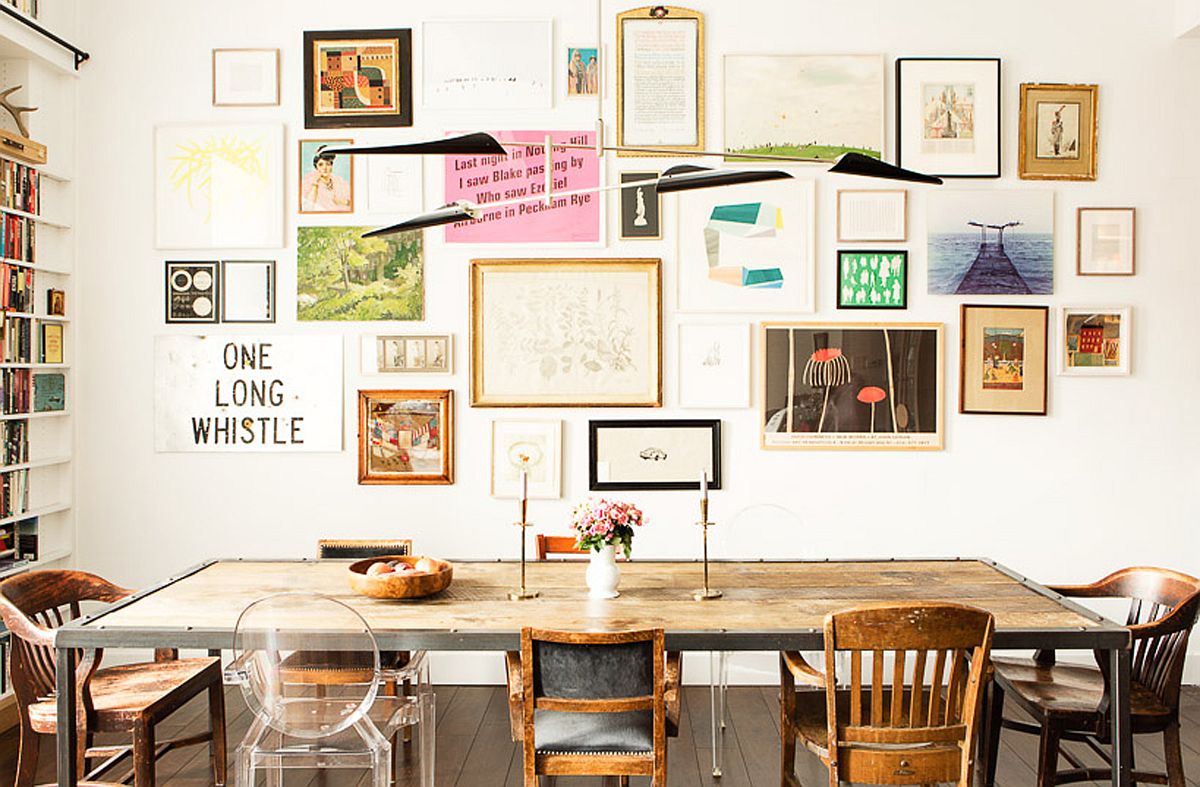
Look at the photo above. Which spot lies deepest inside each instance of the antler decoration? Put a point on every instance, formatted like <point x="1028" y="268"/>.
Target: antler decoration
<point x="16" y="111"/>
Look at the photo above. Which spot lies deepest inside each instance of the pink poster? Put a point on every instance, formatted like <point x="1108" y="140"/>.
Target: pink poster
<point x="482" y="180"/>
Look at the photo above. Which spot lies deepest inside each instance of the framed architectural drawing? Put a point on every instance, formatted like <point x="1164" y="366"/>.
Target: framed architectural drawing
<point x="875" y="279"/>
<point x="326" y="180"/>
<point x="1058" y="132"/>
<point x="948" y="116"/>
<point x="814" y="106"/>
<point x="532" y="446"/>
<point x="406" y="437"/>
<point x="851" y="385"/>
<point x="714" y="365"/>
<point x="641" y="208"/>
<point x="408" y="354"/>
<point x="219" y="186"/>
<point x="248" y="291"/>
<point x="747" y="248"/>
<point x="660" y="78"/>
<point x="653" y="454"/>
<point x="1094" y="340"/>
<point x="872" y="215"/>
<point x="357" y="78"/>
<point x="245" y="77"/>
<point x="1002" y="360"/>
<point x="566" y="333"/>
<point x="1106" y="241"/>
<point x="488" y="64"/>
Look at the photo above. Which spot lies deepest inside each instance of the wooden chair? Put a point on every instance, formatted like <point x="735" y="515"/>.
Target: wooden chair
<point x="922" y="731"/>
<point x="565" y="545"/>
<point x="130" y="698"/>
<point x="360" y="548"/>
<point x="593" y="704"/>
<point x="1070" y="702"/>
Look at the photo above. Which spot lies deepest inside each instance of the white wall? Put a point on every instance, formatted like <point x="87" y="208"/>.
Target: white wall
<point x="1108" y="479"/>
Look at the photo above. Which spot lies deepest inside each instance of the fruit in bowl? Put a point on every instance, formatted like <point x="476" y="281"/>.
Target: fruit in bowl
<point x="400" y="576"/>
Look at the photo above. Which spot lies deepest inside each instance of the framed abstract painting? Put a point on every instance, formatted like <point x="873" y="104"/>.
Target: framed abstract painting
<point x="1094" y="341"/>
<point x="874" y="279"/>
<point x="406" y="437"/>
<point x="1002" y="360"/>
<point x="357" y="78"/>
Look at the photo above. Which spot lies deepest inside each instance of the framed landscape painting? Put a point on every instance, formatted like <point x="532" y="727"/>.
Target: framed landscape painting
<point x="851" y="386"/>
<point x="566" y="333"/>
<point x="357" y="78"/>
<point x="1002" y="362"/>
<point x="1094" y="341"/>
<point x="406" y="437"/>
<point x="653" y="454"/>
<point x="340" y="275"/>
<point x="1058" y="132"/>
<point x="814" y="106"/>
<point x="948" y="116"/>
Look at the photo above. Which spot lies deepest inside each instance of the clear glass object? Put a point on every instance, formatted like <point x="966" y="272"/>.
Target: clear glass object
<point x="322" y="694"/>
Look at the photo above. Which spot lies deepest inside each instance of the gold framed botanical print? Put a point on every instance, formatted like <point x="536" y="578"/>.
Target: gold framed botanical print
<point x="1058" y="132"/>
<point x="406" y="437"/>
<point x="1002" y="363"/>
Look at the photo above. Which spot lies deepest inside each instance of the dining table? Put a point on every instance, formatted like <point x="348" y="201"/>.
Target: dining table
<point x="765" y="605"/>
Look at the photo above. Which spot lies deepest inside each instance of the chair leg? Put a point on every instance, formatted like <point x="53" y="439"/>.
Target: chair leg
<point x="143" y="754"/>
<point x="216" y="727"/>
<point x="1047" y="771"/>
<point x="991" y="743"/>
<point x="27" y="754"/>
<point x="1173" y="754"/>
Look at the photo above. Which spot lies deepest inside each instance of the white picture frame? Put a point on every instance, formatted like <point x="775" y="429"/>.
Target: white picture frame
<point x="219" y="186"/>
<point x="544" y="439"/>
<point x="1114" y="337"/>
<point x="245" y="77"/>
<point x="872" y="215"/>
<point x="714" y="365"/>
<point x="487" y="64"/>
<point x="408" y="353"/>
<point x="1106" y="241"/>
<point x="247" y="291"/>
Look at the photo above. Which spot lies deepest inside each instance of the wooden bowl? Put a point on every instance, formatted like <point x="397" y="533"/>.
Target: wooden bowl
<point x="407" y="584"/>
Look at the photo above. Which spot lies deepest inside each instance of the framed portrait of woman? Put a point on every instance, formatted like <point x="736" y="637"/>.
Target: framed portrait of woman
<point x="326" y="180"/>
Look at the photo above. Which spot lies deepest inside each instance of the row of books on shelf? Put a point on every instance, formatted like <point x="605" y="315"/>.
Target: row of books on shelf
<point x="18" y="238"/>
<point x="14" y="439"/>
<point x="14" y="493"/>
<point x="27" y="7"/>
<point x="18" y="340"/>
<point x="16" y="287"/>
<point x="20" y="186"/>
<point x="22" y="391"/>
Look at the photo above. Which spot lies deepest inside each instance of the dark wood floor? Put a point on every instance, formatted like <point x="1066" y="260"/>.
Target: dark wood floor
<point x="474" y="750"/>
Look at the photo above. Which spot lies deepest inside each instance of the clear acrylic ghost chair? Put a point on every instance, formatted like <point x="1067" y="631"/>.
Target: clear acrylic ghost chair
<point x="283" y="643"/>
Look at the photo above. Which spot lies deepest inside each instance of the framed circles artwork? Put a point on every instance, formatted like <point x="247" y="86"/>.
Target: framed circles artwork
<point x="1058" y="132"/>
<point x="1106" y="241"/>
<point x="534" y="446"/>
<point x="357" y="78"/>
<point x="1094" y="340"/>
<point x="851" y="386"/>
<point x="192" y="290"/>
<point x="406" y="437"/>
<point x="566" y="333"/>
<point x="875" y="279"/>
<point x="653" y="454"/>
<point x="948" y="116"/>
<point x="1002" y="360"/>
<point x="660" y="79"/>
<point x="245" y="77"/>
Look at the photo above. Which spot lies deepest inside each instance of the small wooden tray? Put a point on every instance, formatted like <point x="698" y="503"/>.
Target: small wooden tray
<point x="399" y="585"/>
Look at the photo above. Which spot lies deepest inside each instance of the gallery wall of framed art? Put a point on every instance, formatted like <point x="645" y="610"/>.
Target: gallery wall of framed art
<point x="170" y="253"/>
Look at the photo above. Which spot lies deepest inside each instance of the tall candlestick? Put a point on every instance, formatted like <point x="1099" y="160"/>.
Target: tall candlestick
<point x="522" y="593"/>
<point x="703" y="496"/>
<point x="524" y="492"/>
<point x="705" y="593"/>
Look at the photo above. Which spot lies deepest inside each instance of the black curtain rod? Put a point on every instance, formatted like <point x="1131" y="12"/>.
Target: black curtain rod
<point x="79" y="54"/>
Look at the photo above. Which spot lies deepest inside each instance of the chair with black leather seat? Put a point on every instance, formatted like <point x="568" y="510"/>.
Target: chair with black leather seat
<point x="593" y="704"/>
<point x="1070" y="702"/>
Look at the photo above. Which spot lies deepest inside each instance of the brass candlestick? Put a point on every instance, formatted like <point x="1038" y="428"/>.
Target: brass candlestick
<point x="705" y="593"/>
<point x="522" y="593"/>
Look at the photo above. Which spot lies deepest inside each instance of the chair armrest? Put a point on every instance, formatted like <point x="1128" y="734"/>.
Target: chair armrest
<point x="516" y="694"/>
<point x="237" y="672"/>
<point x="801" y="671"/>
<point x="410" y="671"/>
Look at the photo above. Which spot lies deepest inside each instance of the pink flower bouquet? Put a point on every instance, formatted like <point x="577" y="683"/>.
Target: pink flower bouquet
<point x="599" y="523"/>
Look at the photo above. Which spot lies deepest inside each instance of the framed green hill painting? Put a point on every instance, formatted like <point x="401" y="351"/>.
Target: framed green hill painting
<point x="341" y="275"/>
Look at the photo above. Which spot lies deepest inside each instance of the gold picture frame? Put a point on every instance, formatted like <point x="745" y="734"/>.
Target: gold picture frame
<point x="1058" y="132"/>
<point x="1015" y="339"/>
<point x="394" y="425"/>
<point x="566" y="332"/>
<point x="662" y="16"/>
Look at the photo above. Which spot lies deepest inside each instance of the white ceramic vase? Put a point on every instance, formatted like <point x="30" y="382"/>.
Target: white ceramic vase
<point x="603" y="576"/>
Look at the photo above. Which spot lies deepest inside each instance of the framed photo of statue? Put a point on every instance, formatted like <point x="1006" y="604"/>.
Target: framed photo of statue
<point x="1058" y="132"/>
<point x="641" y="207"/>
<point x="1002" y="359"/>
<point x="948" y="116"/>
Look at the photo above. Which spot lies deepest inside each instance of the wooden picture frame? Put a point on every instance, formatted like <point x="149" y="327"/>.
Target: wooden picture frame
<point x="428" y="420"/>
<point x="266" y="96"/>
<point x="1095" y="341"/>
<point x="896" y="233"/>
<point x="922" y="144"/>
<point x="1014" y="389"/>
<point x="396" y="77"/>
<point x="1086" y="257"/>
<point x="612" y="441"/>
<point x="536" y="332"/>
<point x="872" y="284"/>
<point x="691" y="24"/>
<point x="1057" y="138"/>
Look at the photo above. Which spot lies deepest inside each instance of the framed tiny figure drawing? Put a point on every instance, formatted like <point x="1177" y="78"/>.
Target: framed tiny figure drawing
<point x="1106" y="241"/>
<point x="1058" y="132"/>
<point x="1094" y="341"/>
<point x="191" y="292"/>
<point x="406" y="437"/>
<point x="641" y="208"/>
<point x="408" y="354"/>
<point x="872" y="279"/>
<point x="654" y="454"/>
<point x="1002" y="364"/>
<point x="714" y="365"/>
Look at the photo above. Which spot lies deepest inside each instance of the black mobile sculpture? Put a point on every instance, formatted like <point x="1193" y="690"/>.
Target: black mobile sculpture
<point x="685" y="177"/>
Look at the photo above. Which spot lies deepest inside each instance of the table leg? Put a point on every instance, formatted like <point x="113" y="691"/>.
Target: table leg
<point x="67" y="742"/>
<point x="1122" y="731"/>
<point x="717" y="671"/>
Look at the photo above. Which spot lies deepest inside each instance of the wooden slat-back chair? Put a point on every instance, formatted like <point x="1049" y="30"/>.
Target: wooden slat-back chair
<point x="361" y="548"/>
<point x="918" y="728"/>
<point x="566" y="545"/>
<point x="1071" y="701"/>
<point x="593" y="704"/>
<point x="130" y="698"/>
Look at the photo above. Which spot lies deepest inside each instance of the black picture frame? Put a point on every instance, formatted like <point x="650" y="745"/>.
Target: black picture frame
<point x="900" y="116"/>
<point x="180" y="292"/>
<point x="404" y="117"/>
<point x="852" y="306"/>
<point x="627" y="199"/>
<point x="596" y="426"/>
<point x="271" y="290"/>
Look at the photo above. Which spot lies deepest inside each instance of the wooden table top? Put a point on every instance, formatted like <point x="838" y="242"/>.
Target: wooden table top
<point x="767" y="605"/>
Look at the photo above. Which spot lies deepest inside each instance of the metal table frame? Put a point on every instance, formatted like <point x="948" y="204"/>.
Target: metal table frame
<point x="86" y="633"/>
